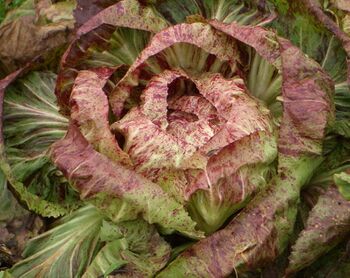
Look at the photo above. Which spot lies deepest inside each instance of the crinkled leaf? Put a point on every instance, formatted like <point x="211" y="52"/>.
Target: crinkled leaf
<point x="101" y="180"/>
<point x="163" y="145"/>
<point x="198" y="34"/>
<point x="327" y="225"/>
<point x="134" y="247"/>
<point x="89" y="110"/>
<point x="96" y="31"/>
<point x="253" y="238"/>
<point x="35" y="38"/>
<point x="262" y="230"/>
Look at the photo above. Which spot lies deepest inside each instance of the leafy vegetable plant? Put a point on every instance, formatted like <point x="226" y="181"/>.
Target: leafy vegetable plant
<point x="177" y="138"/>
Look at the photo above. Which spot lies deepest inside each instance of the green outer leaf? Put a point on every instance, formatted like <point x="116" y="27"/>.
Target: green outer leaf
<point x="133" y="246"/>
<point x="25" y="8"/>
<point x="9" y="207"/>
<point x="63" y="251"/>
<point x="29" y="108"/>
<point x="342" y="103"/>
<point x="107" y="259"/>
<point x="328" y="224"/>
<point x="5" y="274"/>
<point x="342" y="180"/>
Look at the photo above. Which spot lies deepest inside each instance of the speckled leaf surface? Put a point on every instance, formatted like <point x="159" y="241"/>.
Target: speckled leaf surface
<point x="327" y="225"/>
<point x="96" y="31"/>
<point x="89" y="110"/>
<point x="94" y="174"/>
<point x="267" y="222"/>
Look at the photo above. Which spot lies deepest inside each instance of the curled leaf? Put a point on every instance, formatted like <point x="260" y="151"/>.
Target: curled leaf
<point x="103" y="181"/>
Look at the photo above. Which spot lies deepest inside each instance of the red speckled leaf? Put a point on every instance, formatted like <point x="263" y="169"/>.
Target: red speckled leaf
<point x="198" y="34"/>
<point x="247" y="242"/>
<point x="96" y="31"/>
<point x="185" y="142"/>
<point x="231" y="179"/>
<point x="262" y="230"/>
<point x="242" y="115"/>
<point x="262" y="40"/>
<point x="150" y="147"/>
<point x="196" y="105"/>
<point x="307" y="108"/>
<point x="88" y="8"/>
<point x="97" y="177"/>
<point x="199" y="138"/>
<point x="126" y="14"/>
<point x="306" y="88"/>
<point x="89" y="110"/>
<point x="327" y="225"/>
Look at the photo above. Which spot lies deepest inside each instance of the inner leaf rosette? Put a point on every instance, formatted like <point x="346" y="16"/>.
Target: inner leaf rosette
<point x="193" y="130"/>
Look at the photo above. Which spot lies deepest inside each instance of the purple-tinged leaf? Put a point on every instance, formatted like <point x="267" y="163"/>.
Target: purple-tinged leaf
<point x="192" y="147"/>
<point x="103" y="182"/>
<point x="305" y="86"/>
<point x="155" y="143"/>
<point x="328" y="224"/>
<point x="198" y="34"/>
<point x="262" y="230"/>
<point x="96" y="31"/>
<point x="89" y="110"/>
<point x="125" y="14"/>
<point x="307" y="107"/>
<point x="88" y="8"/>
